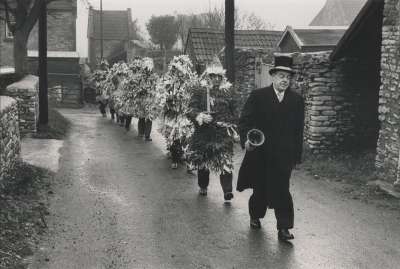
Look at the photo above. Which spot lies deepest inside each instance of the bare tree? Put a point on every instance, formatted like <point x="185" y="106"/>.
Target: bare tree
<point x="21" y="16"/>
<point x="253" y="22"/>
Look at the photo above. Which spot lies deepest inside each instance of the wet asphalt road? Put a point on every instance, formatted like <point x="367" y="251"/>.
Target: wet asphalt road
<point x="117" y="204"/>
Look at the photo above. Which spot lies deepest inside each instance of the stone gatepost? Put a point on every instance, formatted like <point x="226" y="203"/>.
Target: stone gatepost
<point x="26" y="92"/>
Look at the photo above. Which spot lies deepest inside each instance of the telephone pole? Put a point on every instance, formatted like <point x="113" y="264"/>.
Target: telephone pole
<point x="101" y="30"/>
<point x="43" y="98"/>
<point x="230" y="40"/>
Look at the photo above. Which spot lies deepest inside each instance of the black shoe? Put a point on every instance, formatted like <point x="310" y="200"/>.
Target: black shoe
<point x="255" y="224"/>
<point x="148" y="139"/>
<point x="228" y="196"/>
<point x="285" y="235"/>
<point x="203" y="191"/>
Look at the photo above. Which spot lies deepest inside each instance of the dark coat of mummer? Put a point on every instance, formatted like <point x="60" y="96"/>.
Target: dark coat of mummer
<point x="279" y="113"/>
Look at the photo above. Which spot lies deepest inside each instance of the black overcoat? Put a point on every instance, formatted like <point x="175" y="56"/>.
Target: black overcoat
<point x="269" y="166"/>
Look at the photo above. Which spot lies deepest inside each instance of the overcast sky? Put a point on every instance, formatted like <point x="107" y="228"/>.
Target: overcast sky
<point x="278" y="12"/>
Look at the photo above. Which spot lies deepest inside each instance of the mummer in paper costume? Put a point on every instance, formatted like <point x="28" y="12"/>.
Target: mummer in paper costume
<point x="213" y="113"/>
<point x="174" y="91"/>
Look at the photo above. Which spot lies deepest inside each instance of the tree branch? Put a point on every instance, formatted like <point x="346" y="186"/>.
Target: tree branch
<point x="33" y="15"/>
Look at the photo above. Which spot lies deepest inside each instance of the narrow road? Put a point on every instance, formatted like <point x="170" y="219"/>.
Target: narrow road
<point x="117" y="204"/>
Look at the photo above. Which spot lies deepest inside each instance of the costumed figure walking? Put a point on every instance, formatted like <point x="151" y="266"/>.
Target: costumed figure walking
<point x="145" y="102"/>
<point x="142" y="102"/>
<point x="130" y="87"/>
<point x="98" y="78"/>
<point x="174" y="91"/>
<point x="212" y="111"/>
<point x="118" y="73"/>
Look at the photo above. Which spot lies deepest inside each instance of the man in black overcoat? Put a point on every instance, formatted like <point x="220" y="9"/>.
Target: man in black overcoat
<point x="278" y="112"/>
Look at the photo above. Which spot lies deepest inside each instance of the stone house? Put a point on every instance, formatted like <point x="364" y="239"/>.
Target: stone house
<point x="253" y="55"/>
<point x="63" y="59"/>
<point x="60" y="35"/>
<point x="116" y="36"/>
<point x="310" y="39"/>
<point x="203" y="44"/>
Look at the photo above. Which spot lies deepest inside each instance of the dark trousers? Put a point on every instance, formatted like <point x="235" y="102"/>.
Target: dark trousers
<point x="203" y="179"/>
<point x="120" y="119"/>
<point x="102" y="108"/>
<point x="112" y="112"/>
<point x="261" y="199"/>
<point x="144" y="127"/>
<point x="176" y="151"/>
<point x="128" y="121"/>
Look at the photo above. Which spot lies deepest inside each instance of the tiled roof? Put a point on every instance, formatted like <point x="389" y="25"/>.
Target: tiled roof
<point x="338" y="12"/>
<point x="371" y="13"/>
<point x="115" y="24"/>
<point x="62" y="4"/>
<point x="319" y="37"/>
<point x="208" y="42"/>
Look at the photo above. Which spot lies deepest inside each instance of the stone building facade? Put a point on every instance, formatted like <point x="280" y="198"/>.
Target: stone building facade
<point x="388" y="150"/>
<point x="9" y="135"/>
<point x="115" y="35"/>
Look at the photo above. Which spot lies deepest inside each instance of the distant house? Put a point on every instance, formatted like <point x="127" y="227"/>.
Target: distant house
<point x="338" y="13"/>
<point x="60" y="33"/>
<point x="63" y="58"/>
<point x="116" y="35"/>
<point x="310" y="39"/>
<point x="138" y="48"/>
<point x="203" y="43"/>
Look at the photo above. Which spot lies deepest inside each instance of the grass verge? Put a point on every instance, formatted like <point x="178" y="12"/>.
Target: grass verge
<point x="23" y="204"/>
<point x="57" y="127"/>
<point x="349" y="174"/>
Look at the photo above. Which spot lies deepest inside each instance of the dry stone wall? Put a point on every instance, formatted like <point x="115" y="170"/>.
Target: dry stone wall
<point x="336" y="96"/>
<point x="245" y="68"/>
<point x="387" y="158"/>
<point x="9" y="135"/>
<point x="25" y="92"/>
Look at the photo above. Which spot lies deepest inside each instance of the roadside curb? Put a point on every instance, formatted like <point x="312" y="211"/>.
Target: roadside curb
<point x="386" y="187"/>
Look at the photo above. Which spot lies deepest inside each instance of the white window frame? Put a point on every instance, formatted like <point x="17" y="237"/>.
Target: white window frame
<point x="8" y="33"/>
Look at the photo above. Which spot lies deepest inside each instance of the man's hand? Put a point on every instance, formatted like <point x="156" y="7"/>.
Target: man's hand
<point x="248" y="146"/>
<point x="207" y="118"/>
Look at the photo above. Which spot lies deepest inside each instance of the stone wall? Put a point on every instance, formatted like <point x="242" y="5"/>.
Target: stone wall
<point x="387" y="159"/>
<point x="25" y="92"/>
<point x="245" y="68"/>
<point x="337" y="95"/>
<point x="9" y="135"/>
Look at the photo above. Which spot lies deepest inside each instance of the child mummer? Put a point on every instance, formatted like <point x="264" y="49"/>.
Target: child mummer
<point x="212" y="112"/>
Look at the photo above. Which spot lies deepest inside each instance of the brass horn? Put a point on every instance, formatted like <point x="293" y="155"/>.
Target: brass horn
<point x="255" y="137"/>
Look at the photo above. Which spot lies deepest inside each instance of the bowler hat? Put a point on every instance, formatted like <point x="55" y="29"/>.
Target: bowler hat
<point x="282" y="63"/>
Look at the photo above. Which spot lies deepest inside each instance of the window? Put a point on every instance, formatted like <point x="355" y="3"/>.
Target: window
<point x="9" y="34"/>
